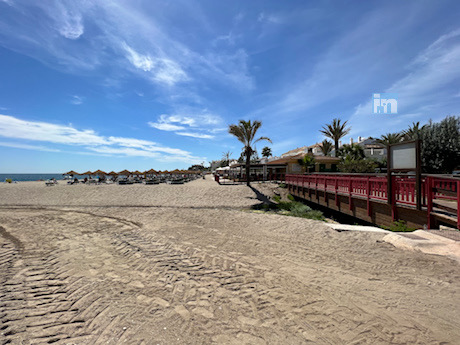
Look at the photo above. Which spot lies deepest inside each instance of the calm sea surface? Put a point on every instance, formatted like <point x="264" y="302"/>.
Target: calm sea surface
<point x="30" y="177"/>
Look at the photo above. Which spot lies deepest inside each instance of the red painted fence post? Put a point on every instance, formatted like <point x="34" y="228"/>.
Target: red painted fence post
<point x="336" y="192"/>
<point x="350" y="187"/>
<point x="429" y="201"/>
<point x="368" y="196"/>
<point x="393" y="198"/>
<point x="325" y="190"/>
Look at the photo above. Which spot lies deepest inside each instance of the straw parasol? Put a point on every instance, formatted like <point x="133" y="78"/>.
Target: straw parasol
<point x="99" y="172"/>
<point x="137" y="172"/>
<point x="112" y="173"/>
<point x="71" y="172"/>
<point x="150" y="172"/>
<point x="87" y="173"/>
<point x="125" y="173"/>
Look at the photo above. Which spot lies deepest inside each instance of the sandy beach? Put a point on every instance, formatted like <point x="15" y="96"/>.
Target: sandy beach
<point x="191" y="264"/>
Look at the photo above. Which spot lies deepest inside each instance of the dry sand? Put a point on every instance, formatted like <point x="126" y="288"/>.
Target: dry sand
<point x="186" y="264"/>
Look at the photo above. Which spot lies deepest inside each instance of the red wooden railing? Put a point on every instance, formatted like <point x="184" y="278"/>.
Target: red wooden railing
<point x="374" y="188"/>
<point x="444" y="189"/>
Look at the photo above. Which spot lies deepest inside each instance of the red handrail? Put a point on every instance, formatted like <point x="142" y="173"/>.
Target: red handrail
<point x="373" y="187"/>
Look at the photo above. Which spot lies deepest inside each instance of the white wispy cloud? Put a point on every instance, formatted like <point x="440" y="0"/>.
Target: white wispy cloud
<point x="205" y="123"/>
<point x="77" y="100"/>
<point x="130" y="40"/>
<point x="421" y="92"/>
<point x="196" y="135"/>
<point x="166" y="126"/>
<point x="269" y="18"/>
<point x="14" y="128"/>
<point x="161" y="69"/>
<point x="27" y="147"/>
<point x="8" y="2"/>
<point x="70" y="22"/>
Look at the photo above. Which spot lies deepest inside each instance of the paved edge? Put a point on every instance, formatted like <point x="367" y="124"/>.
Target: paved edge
<point x="346" y="227"/>
<point x="428" y="243"/>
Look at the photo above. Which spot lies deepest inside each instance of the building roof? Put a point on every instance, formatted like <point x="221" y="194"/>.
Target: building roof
<point x="295" y="152"/>
<point x="371" y="143"/>
<point x="291" y="159"/>
<point x="286" y="160"/>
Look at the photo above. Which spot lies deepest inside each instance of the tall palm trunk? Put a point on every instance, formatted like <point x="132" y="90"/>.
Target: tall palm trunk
<point x="336" y="144"/>
<point x="248" y="165"/>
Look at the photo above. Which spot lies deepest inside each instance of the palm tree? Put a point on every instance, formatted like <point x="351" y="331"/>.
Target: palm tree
<point x="245" y="131"/>
<point x="414" y="131"/>
<point x="307" y="161"/>
<point x="336" y="131"/>
<point x="326" y="147"/>
<point x="351" y="152"/>
<point x="266" y="152"/>
<point x="390" y="138"/>
<point x="226" y="157"/>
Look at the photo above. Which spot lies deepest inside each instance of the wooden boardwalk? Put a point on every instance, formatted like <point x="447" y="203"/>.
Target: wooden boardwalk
<point x="366" y="197"/>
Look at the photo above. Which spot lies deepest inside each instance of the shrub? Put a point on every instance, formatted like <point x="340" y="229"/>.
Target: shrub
<point x="290" y="197"/>
<point x="316" y="215"/>
<point x="399" y="226"/>
<point x="441" y="145"/>
<point x="276" y="198"/>
<point x="298" y="209"/>
<point x="282" y="185"/>
<point x="357" y="166"/>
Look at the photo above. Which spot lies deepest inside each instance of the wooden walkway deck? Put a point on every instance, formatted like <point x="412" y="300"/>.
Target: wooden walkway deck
<point x="366" y="197"/>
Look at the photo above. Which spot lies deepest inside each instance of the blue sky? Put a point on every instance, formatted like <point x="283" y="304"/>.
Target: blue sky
<point x="115" y="85"/>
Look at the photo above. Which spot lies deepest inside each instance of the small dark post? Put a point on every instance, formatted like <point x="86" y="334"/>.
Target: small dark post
<point x="418" y="174"/>
<point x="389" y="183"/>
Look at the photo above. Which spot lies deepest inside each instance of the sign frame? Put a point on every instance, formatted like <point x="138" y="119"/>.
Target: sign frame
<point x="417" y="169"/>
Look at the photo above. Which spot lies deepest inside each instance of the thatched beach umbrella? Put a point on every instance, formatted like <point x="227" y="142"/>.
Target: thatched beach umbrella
<point x="151" y="172"/>
<point x="112" y="173"/>
<point x="137" y="172"/>
<point x="99" y="172"/>
<point x="125" y="172"/>
<point x="71" y="172"/>
<point x="87" y="173"/>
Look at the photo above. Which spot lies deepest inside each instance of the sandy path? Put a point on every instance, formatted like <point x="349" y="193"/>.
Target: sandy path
<point x="206" y="272"/>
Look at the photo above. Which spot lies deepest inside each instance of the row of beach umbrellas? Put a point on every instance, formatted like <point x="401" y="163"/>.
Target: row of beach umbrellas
<point x="128" y="173"/>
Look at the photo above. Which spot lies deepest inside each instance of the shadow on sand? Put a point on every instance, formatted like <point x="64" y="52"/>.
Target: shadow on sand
<point x="262" y="197"/>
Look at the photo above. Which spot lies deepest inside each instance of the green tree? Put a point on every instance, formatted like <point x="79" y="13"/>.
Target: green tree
<point x="326" y="147"/>
<point x="266" y="152"/>
<point x="351" y="152"/>
<point x="307" y="161"/>
<point x="441" y="146"/>
<point x="245" y="132"/>
<point x="390" y="138"/>
<point x="357" y="166"/>
<point x="414" y="131"/>
<point x="226" y="158"/>
<point x="336" y="131"/>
